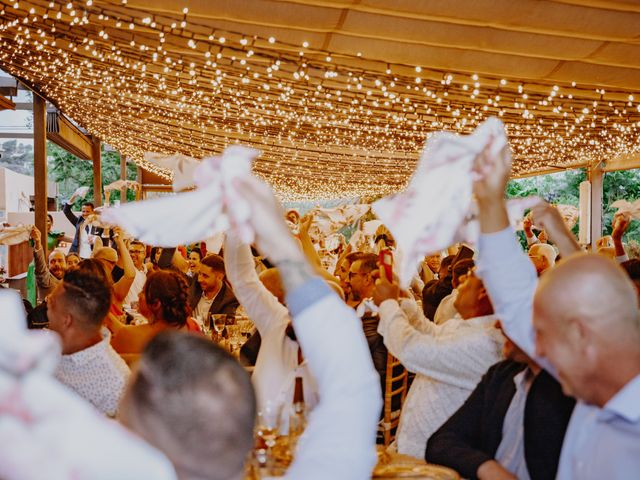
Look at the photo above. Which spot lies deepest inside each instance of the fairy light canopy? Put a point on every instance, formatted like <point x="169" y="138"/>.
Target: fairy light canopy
<point x="339" y="95"/>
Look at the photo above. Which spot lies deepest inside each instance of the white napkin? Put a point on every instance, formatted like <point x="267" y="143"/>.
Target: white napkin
<point x="183" y="168"/>
<point x="120" y="184"/>
<point x="15" y="235"/>
<point x="81" y="192"/>
<point x="435" y="210"/>
<point x="625" y="207"/>
<point x="189" y="217"/>
<point x="330" y="220"/>
<point x="36" y="412"/>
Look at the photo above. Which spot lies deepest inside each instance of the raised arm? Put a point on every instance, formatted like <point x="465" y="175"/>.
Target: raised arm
<point x="262" y="307"/>
<point x="620" y="226"/>
<point x="508" y="275"/>
<point x="43" y="276"/>
<point x="122" y="286"/>
<point x="66" y="208"/>
<point x="339" y="441"/>
<point x="310" y="251"/>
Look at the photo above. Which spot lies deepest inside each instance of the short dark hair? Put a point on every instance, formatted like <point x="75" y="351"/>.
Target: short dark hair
<point x="171" y="290"/>
<point x="193" y="401"/>
<point x="632" y="267"/>
<point x="216" y="262"/>
<point x="88" y="296"/>
<point x="50" y="217"/>
<point x="461" y="267"/>
<point x="196" y="250"/>
<point x="353" y="256"/>
<point x="447" y="261"/>
<point x="368" y="262"/>
<point x="88" y="204"/>
<point x="137" y="242"/>
<point x="97" y="268"/>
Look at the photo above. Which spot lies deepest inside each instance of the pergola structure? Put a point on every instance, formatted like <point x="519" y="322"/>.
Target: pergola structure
<point x="338" y="94"/>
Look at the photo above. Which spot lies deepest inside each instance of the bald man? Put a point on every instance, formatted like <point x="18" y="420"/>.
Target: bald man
<point x="543" y="256"/>
<point x="583" y="316"/>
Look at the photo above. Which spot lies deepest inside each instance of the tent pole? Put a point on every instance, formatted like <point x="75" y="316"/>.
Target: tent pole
<point x="40" y="166"/>
<point x="595" y="177"/>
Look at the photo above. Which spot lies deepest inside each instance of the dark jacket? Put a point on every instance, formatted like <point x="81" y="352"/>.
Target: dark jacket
<point x="472" y="435"/>
<point x="225" y="301"/>
<point x="78" y="222"/>
<point x="433" y="293"/>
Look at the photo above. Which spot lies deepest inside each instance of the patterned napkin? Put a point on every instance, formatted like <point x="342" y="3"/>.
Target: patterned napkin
<point x="436" y="210"/>
<point x="189" y="217"/>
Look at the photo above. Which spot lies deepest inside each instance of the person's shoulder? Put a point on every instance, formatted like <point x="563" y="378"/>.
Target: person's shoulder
<point x="503" y="370"/>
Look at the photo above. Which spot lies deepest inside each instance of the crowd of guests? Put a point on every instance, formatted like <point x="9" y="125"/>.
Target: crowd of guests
<point x="524" y="363"/>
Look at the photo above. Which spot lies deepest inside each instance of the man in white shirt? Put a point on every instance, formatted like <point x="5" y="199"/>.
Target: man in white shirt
<point x="580" y="322"/>
<point x="449" y="360"/>
<point x="199" y="408"/>
<point x="138" y="253"/>
<point x="279" y="360"/>
<point x="90" y="366"/>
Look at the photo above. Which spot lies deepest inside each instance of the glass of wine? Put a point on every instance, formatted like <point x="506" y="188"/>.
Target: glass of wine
<point x="219" y="321"/>
<point x="269" y="422"/>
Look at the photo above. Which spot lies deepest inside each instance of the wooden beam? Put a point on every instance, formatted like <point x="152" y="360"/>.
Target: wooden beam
<point x="40" y="166"/>
<point x="595" y="177"/>
<point x="65" y="134"/>
<point x="96" y="157"/>
<point x="6" y="104"/>
<point x="123" y="176"/>
<point x="8" y="86"/>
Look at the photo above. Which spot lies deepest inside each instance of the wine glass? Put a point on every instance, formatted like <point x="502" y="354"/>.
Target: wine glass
<point x="219" y="321"/>
<point x="269" y="422"/>
<point x="205" y="326"/>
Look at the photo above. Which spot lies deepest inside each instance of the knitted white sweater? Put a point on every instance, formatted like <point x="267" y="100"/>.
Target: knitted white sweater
<point x="449" y="361"/>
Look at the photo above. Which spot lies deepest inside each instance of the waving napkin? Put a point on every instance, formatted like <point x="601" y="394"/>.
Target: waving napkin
<point x="436" y="209"/>
<point x="183" y="168"/>
<point x="36" y="412"/>
<point x="120" y="184"/>
<point x="330" y="220"/>
<point x="15" y="235"/>
<point x="629" y="208"/>
<point x="190" y="217"/>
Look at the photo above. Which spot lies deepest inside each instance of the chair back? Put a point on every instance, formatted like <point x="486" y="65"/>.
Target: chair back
<point x="395" y="392"/>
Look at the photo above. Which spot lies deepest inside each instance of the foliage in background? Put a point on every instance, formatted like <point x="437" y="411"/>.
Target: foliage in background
<point x="17" y="157"/>
<point x="564" y="188"/>
<point x="70" y="172"/>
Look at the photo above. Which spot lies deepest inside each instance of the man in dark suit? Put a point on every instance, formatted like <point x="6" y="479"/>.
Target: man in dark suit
<point x="512" y="426"/>
<point x="83" y="238"/>
<point x="210" y="293"/>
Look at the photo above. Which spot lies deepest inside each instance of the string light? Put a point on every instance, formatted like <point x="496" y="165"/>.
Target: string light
<point x="328" y="127"/>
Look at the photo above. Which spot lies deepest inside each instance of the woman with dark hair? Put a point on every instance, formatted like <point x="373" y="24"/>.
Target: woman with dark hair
<point x="164" y="302"/>
<point x="154" y="257"/>
<point x="195" y="256"/>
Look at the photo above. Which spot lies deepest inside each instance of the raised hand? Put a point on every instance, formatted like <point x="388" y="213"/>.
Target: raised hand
<point x="385" y="290"/>
<point x="620" y="225"/>
<point x="549" y="217"/>
<point x="36" y="236"/>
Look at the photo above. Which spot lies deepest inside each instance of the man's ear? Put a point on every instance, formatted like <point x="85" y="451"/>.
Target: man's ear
<point x="68" y="320"/>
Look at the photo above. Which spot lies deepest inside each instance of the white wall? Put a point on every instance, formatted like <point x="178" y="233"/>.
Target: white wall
<point x="15" y="190"/>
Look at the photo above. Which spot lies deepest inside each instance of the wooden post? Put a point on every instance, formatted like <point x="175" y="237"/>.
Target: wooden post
<point x="97" y="171"/>
<point x="140" y="193"/>
<point x="40" y="166"/>
<point x="123" y="176"/>
<point x="595" y="177"/>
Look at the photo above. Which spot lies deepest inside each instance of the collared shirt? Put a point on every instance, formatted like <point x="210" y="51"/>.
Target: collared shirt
<point x="84" y="247"/>
<point x="137" y="286"/>
<point x="448" y="360"/>
<point x="204" y="305"/>
<point x="599" y="442"/>
<point x="510" y="453"/>
<point x="98" y="374"/>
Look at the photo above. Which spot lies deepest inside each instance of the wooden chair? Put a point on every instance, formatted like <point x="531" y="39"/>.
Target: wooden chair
<point x="395" y="391"/>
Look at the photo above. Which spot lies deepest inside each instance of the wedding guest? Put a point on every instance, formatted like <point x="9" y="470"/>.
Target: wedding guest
<point x="137" y="252"/>
<point x="435" y="290"/>
<point x="195" y="257"/>
<point x="85" y="234"/>
<point x="511" y="427"/>
<point x="447" y="310"/>
<point x="448" y="360"/>
<point x="47" y="276"/>
<point x="163" y="301"/>
<point x="580" y="322"/>
<point x="543" y="256"/>
<point x="212" y="437"/>
<point x="76" y="309"/>
<point x="210" y="293"/>
<point x="279" y="360"/>
<point x="72" y="260"/>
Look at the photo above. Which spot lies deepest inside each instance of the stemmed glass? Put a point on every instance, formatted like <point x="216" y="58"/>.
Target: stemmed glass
<point x="269" y="422"/>
<point x="219" y="321"/>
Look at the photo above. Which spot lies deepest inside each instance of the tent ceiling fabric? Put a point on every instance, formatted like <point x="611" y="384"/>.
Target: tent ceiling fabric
<point x="339" y="95"/>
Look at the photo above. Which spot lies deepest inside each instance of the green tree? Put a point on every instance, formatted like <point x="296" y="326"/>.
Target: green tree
<point x="70" y="172"/>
